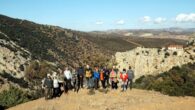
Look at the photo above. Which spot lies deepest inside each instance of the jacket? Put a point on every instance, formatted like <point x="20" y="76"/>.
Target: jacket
<point x="96" y="75"/>
<point x="88" y="73"/>
<point x="55" y="83"/>
<point x="124" y="76"/>
<point x="80" y="71"/>
<point x="130" y="74"/>
<point x="102" y="76"/>
<point x="48" y="83"/>
<point x="67" y="74"/>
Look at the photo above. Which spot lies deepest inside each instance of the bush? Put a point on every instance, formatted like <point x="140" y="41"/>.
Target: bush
<point x="175" y="53"/>
<point x="179" y="81"/>
<point x="167" y="54"/>
<point x="12" y="97"/>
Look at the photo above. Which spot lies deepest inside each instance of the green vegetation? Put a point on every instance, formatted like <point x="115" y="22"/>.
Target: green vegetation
<point x="179" y="81"/>
<point x="12" y="97"/>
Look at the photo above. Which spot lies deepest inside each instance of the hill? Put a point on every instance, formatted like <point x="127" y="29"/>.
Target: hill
<point x="28" y="41"/>
<point x="113" y="100"/>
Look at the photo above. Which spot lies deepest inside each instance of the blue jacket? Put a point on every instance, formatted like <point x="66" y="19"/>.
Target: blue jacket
<point x="96" y="75"/>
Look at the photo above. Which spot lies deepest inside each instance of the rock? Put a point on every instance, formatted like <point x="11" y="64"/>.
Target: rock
<point x="12" y="60"/>
<point x="151" y="60"/>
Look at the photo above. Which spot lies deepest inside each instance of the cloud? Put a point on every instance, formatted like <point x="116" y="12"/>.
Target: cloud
<point x="185" y="17"/>
<point x="159" y="20"/>
<point x="99" y="22"/>
<point x="120" y="22"/>
<point x="146" y="19"/>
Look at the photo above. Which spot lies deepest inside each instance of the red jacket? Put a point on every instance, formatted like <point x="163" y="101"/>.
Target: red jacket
<point x="124" y="76"/>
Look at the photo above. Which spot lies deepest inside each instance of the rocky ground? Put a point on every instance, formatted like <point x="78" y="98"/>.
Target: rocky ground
<point x="113" y="100"/>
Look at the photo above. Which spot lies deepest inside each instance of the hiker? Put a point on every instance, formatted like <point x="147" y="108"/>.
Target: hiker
<point x="61" y="80"/>
<point x="113" y="79"/>
<point x="124" y="78"/>
<point x="88" y="75"/>
<point x="96" y="76"/>
<point x="75" y="80"/>
<point x="102" y="78"/>
<point x="80" y="73"/>
<point x="67" y="79"/>
<point x="56" y="87"/>
<point x="107" y="74"/>
<point x="130" y="73"/>
<point x="115" y="69"/>
<point x="48" y="84"/>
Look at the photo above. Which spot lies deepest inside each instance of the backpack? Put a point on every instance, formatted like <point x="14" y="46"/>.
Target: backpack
<point x="88" y="73"/>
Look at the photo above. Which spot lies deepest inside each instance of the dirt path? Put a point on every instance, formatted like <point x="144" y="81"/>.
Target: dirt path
<point x="113" y="100"/>
<point x="137" y="44"/>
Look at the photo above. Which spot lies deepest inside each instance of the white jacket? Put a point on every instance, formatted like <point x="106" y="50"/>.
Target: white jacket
<point x="55" y="83"/>
<point x="67" y="74"/>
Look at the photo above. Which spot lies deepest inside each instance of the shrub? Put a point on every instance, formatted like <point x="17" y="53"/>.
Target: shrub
<point x="167" y="54"/>
<point x="179" y="81"/>
<point x="175" y="53"/>
<point x="12" y="97"/>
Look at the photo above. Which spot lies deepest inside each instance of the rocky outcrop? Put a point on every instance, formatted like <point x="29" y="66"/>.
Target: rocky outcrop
<point x="13" y="58"/>
<point x="145" y="61"/>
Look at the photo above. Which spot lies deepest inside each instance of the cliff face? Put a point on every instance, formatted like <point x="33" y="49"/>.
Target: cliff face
<point x="145" y="61"/>
<point x="13" y="58"/>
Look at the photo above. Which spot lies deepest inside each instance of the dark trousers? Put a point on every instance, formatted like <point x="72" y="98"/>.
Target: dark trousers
<point x="80" y="82"/>
<point x="48" y="93"/>
<point x="130" y="83"/>
<point x="60" y="85"/>
<point x="96" y="83"/>
<point x="75" y="86"/>
<point x="67" y="85"/>
<point x="114" y="85"/>
<point x="56" y="92"/>
<point x="103" y="84"/>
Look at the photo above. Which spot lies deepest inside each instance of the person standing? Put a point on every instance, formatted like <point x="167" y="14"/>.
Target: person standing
<point x="48" y="84"/>
<point x="88" y="75"/>
<point x="113" y="79"/>
<point x="67" y="79"/>
<point x="124" y="78"/>
<point x="75" y="80"/>
<point x="96" y="76"/>
<point x="107" y="74"/>
<point x="102" y="78"/>
<point x="56" y="87"/>
<point x="80" y="73"/>
<point x="60" y="80"/>
<point x="130" y="73"/>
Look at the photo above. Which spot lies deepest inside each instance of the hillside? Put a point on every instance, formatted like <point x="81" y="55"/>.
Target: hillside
<point x="152" y="61"/>
<point x="113" y="100"/>
<point x="62" y="46"/>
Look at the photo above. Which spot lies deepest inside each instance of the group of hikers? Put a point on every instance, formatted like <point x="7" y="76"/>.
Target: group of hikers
<point x="76" y="78"/>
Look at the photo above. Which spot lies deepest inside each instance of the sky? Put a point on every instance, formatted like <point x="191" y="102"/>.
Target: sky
<point x="91" y="15"/>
